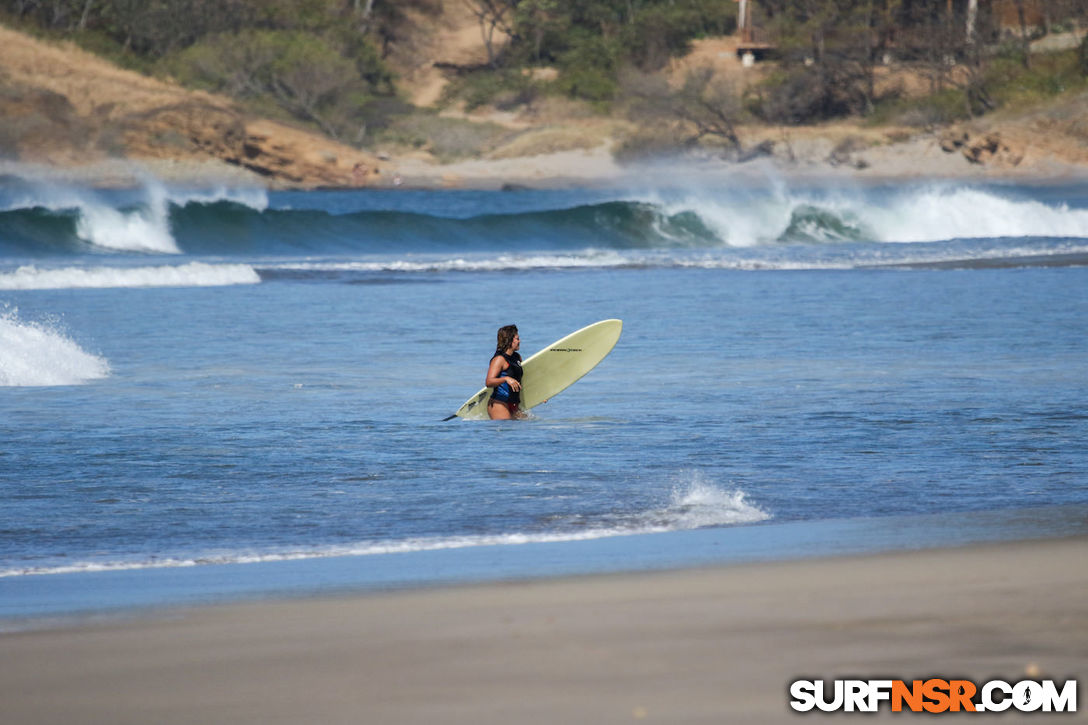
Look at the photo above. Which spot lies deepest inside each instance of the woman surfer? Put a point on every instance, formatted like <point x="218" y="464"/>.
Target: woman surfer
<point x="504" y="375"/>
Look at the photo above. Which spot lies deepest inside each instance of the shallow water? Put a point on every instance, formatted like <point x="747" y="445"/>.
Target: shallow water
<point x="232" y="377"/>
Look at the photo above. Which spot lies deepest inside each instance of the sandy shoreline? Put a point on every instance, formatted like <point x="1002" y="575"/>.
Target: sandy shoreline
<point x="709" y="645"/>
<point x="913" y="161"/>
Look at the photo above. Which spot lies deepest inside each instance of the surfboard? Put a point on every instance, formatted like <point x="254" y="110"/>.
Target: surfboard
<point x="555" y="368"/>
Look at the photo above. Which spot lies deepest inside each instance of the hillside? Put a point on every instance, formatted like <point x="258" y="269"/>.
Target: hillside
<point x="63" y="107"/>
<point x="1045" y="141"/>
<point x="73" y="113"/>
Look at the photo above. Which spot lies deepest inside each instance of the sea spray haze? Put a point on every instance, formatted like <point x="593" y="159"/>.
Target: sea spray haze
<point x="217" y="377"/>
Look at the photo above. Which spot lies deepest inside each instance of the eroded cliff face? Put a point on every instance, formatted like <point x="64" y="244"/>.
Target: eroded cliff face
<point x="63" y="106"/>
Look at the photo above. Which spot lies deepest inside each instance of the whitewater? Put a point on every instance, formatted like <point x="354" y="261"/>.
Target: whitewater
<point x="413" y="231"/>
<point x="39" y="354"/>
<point x="210" y="393"/>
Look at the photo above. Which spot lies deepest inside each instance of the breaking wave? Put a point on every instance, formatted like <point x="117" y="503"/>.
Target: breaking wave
<point x="697" y="504"/>
<point x="50" y="219"/>
<point x="744" y="228"/>
<point x="36" y="354"/>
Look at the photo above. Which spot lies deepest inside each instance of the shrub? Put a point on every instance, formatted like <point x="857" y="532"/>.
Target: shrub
<point x="300" y="73"/>
<point x="448" y="139"/>
<point x="504" y="88"/>
<point x="937" y="109"/>
<point x="588" y="69"/>
<point x="660" y="32"/>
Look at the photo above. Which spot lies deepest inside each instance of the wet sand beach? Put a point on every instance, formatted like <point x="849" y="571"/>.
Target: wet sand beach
<point x="708" y="645"/>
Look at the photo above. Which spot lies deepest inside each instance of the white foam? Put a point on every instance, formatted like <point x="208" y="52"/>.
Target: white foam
<point x="587" y="259"/>
<point x="757" y="258"/>
<point x="737" y="219"/>
<point x="33" y="354"/>
<point x="144" y="229"/>
<point x="699" y="504"/>
<point x="194" y="274"/>
<point x="937" y="214"/>
<point x="925" y="214"/>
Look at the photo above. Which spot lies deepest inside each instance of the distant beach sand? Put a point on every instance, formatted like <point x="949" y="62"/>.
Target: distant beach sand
<point x="914" y="160"/>
<point x="700" y="646"/>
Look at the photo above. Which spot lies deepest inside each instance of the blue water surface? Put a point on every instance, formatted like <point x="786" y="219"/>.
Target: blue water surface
<point x="286" y="433"/>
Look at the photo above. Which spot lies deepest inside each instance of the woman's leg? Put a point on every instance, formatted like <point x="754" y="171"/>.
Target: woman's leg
<point x="498" y="410"/>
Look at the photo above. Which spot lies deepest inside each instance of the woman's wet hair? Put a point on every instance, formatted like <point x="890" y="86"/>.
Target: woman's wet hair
<point x="505" y="337"/>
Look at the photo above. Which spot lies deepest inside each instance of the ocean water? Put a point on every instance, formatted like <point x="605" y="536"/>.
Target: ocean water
<point x="218" y="393"/>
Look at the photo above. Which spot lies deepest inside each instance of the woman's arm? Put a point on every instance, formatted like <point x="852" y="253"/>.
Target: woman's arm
<point x="498" y="364"/>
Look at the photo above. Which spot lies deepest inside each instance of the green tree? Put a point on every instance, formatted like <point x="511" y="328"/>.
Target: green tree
<point x="588" y="67"/>
<point x="655" y="32"/>
<point x="591" y="40"/>
<point x="829" y="49"/>
<point x="496" y="18"/>
<point x="297" y="71"/>
<point x="710" y="105"/>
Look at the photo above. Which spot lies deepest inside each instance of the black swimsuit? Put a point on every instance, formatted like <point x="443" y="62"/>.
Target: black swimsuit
<point x="503" y="392"/>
